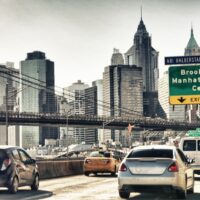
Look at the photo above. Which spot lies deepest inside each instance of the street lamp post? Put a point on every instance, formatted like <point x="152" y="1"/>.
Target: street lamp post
<point x="68" y="113"/>
<point x="6" y="113"/>
<point x="67" y="120"/>
<point x="106" y="123"/>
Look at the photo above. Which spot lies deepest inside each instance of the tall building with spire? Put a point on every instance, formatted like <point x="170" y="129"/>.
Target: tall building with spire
<point x="179" y="112"/>
<point x="192" y="49"/>
<point x="142" y="54"/>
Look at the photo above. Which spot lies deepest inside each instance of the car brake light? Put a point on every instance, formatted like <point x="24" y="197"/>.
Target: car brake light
<point x="122" y="168"/>
<point x="5" y="164"/>
<point x="173" y="167"/>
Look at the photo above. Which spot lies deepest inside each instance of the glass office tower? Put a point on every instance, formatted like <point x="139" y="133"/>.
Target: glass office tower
<point x="37" y="95"/>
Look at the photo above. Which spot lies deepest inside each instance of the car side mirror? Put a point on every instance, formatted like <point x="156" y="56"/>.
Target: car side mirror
<point x="190" y="160"/>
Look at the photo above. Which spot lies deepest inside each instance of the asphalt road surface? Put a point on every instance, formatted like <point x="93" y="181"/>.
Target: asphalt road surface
<point x="101" y="187"/>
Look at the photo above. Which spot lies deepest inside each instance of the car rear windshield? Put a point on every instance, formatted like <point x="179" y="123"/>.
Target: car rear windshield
<point x="189" y="145"/>
<point x="100" y="154"/>
<point x="96" y="154"/>
<point x="151" y="153"/>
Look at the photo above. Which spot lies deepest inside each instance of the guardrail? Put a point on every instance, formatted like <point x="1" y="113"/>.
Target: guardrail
<point x="59" y="168"/>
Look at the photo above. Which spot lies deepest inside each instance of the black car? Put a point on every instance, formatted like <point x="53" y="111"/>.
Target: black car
<point x="17" y="169"/>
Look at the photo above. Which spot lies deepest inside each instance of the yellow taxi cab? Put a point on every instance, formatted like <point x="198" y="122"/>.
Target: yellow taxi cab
<point x="101" y="162"/>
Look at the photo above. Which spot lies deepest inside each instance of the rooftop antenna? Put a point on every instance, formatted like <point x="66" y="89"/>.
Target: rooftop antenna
<point x="191" y="29"/>
<point x="141" y="12"/>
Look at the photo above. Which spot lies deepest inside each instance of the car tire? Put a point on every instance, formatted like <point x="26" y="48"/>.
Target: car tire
<point x="181" y="194"/>
<point x="87" y="173"/>
<point x="13" y="187"/>
<point x="191" y="190"/>
<point x="114" y="173"/>
<point x="124" y="194"/>
<point x="35" y="184"/>
<point x="95" y="173"/>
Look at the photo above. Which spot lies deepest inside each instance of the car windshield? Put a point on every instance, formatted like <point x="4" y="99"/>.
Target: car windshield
<point x="151" y="153"/>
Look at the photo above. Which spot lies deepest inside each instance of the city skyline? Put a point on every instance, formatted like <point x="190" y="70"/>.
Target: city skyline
<point x="79" y="36"/>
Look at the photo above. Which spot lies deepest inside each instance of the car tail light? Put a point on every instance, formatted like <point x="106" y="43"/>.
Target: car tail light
<point x="173" y="167"/>
<point x="122" y="168"/>
<point x="5" y="164"/>
<point x="87" y="161"/>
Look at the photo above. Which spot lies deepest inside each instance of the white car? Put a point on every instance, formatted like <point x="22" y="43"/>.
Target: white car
<point x="155" y="168"/>
<point x="191" y="148"/>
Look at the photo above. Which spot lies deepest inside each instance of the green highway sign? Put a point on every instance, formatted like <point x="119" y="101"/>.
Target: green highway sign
<point x="194" y="133"/>
<point x="184" y="84"/>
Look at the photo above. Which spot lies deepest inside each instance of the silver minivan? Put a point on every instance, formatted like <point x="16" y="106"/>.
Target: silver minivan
<point x="191" y="148"/>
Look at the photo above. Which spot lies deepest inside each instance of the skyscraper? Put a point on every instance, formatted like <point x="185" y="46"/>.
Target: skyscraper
<point x="91" y="135"/>
<point x="117" y="57"/>
<point x="142" y="54"/>
<point x="125" y="90"/>
<point x="76" y="99"/>
<point x="9" y="81"/>
<point x="99" y="85"/>
<point x="171" y="112"/>
<point x="37" y="95"/>
<point x="122" y="95"/>
<point x="192" y="49"/>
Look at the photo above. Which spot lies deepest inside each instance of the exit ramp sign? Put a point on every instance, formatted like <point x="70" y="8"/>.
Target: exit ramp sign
<point x="184" y="85"/>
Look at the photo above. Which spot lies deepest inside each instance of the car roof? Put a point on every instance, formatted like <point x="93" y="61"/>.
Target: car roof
<point x="155" y="147"/>
<point x="190" y="138"/>
<point x="8" y="147"/>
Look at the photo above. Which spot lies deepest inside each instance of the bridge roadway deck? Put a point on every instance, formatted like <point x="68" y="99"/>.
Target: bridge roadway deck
<point x="55" y="119"/>
<point x="80" y="187"/>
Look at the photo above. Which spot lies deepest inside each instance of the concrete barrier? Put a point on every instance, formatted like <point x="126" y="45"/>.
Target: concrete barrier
<point x="59" y="168"/>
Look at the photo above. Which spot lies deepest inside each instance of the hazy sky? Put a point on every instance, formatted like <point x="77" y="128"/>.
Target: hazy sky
<point x="79" y="35"/>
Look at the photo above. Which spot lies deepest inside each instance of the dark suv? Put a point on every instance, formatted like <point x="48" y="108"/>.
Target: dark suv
<point x="17" y="169"/>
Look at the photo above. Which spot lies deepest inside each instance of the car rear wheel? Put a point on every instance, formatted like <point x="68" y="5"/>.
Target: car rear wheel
<point x="124" y="194"/>
<point x="87" y="173"/>
<point x="113" y="173"/>
<point x="191" y="190"/>
<point x="35" y="184"/>
<point x="13" y="188"/>
<point x="181" y="194"/>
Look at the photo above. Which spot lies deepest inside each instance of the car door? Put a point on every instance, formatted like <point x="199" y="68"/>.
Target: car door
<point x="28" y="166"/>
<point x="187" y="168"/>
<point x="19" y="167"/>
